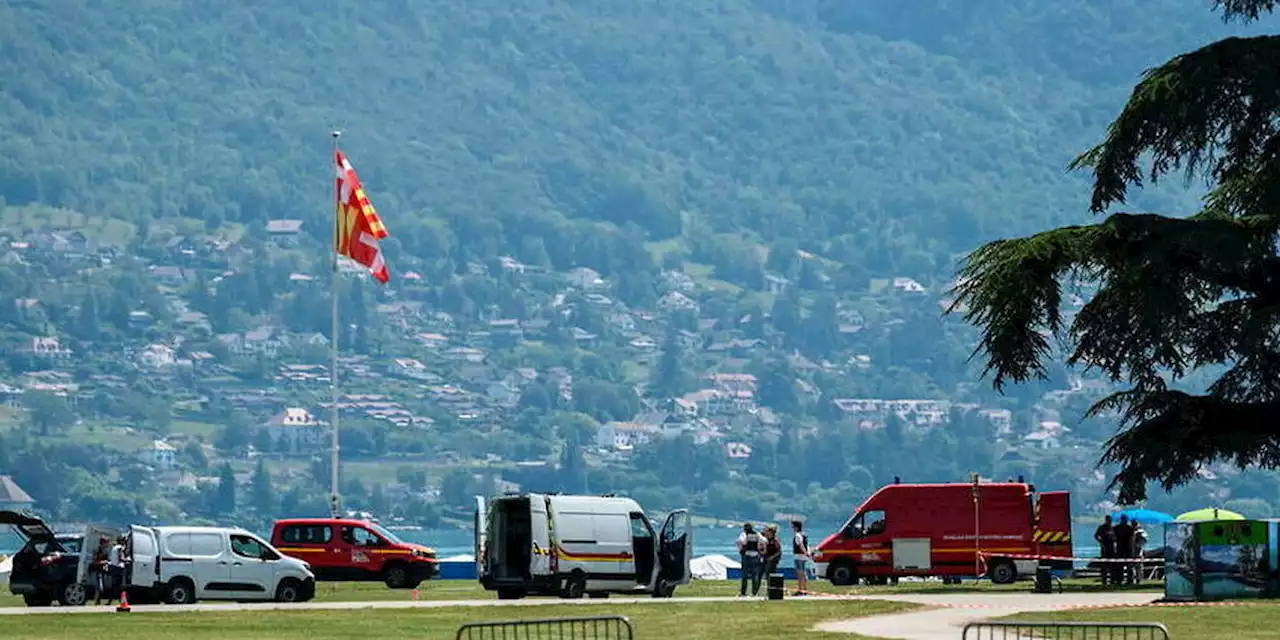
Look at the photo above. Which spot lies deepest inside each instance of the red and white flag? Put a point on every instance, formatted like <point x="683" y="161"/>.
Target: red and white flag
<point x="359" y="227"/>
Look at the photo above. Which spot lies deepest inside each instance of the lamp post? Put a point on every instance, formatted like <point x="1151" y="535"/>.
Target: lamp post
<point x="977" y="525"/>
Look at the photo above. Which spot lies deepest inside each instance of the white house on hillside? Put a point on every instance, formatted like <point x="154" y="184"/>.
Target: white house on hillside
<point x="297" y="430"/>
<point x="12" y="497"/>
<point x="159" y="454"/>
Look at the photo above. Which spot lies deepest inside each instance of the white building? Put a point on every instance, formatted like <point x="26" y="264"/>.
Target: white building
<point x="12" y="497"/>
<point x="160" y="455"/>
<point x="297" y="430"/>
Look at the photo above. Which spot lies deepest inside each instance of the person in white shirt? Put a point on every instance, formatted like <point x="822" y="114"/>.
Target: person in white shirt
<point x="115" y="570"/>
<point x="800" y="549"/>
<point x="749" y="547"/>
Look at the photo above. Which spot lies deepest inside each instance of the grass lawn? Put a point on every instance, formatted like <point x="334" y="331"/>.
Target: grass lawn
<point x="110" y="436"/>
<point x="471" y="590"/>
<point x="209" y="432"/>
<point x="1244" y="622"/>
<point x="30" y="218"/>
<point x="705" y="621"/>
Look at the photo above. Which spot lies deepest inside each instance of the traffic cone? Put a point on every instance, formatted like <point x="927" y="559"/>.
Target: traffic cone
<point x="415" y="594"/>
<point x="124" y="607"/>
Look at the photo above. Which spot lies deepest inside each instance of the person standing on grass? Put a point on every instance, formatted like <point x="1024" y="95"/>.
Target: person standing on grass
<point x="1123" y="573"/>
<point x="800" y="549"/>
<point x="1139" y="545"/>
<point x="115" y="568"/>
<point x="772" y="550"/>
<point x="98" y="567"/>
<point x="1106" y="539"/>
<point x="749" y="547"/>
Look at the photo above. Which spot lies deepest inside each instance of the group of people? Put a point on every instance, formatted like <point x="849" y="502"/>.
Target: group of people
<point x="761" y="554"/>
<point x="1119" y="541"/>
<point x="108" y="568"/>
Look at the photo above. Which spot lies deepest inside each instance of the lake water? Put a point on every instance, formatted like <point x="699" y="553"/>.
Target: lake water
<point x="706" y="540"/>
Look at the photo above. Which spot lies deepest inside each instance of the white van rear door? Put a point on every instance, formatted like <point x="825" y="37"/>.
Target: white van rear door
<point x="482" y="536"/>
<point x="543" y="536"/>
<point x="675" y="548"/>
<point x="142" y="543"/>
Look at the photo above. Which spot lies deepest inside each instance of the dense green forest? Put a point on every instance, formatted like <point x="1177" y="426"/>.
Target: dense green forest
<point x="835" y="143"/>
<point x="891" y="138"/>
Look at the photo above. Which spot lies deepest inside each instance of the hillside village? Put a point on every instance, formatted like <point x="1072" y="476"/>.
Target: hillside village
<point x="424" y="388"/>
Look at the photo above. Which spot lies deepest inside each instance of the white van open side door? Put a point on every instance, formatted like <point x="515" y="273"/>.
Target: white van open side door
<point x="482" y="537"/>
<point x="675" y="550"/>
<point x="544" y="538"/>
<point x="146" y="568"/>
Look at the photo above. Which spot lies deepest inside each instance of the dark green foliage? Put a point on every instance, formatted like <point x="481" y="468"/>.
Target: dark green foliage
<point x="1173" y="295"/>
<point x="524" y="125"/>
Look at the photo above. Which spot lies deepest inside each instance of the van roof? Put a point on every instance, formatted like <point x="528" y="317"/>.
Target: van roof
<point x="190" y="529"/>
<point x="331" y="521"/>
<point x="595" y="503"/>
<point x="957" y="485"/>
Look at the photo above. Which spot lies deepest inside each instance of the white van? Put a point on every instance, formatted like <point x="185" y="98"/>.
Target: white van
<point x="535" y="544"/>
<point x="181" y="565"/>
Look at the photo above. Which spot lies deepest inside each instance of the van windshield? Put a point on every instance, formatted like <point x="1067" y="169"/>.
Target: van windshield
<point x="387" y="535"/>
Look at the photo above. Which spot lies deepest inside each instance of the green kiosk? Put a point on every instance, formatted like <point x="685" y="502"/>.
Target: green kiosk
<point x="1218" y="559"/>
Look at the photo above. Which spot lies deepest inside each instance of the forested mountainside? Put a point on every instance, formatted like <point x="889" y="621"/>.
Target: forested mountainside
<point x="890" y="136"/>
<point x="729" y="223"/>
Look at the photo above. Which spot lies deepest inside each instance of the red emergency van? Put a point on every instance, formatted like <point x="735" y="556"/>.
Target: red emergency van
<point x="345" y="550"/>
<point x="931" y="529"/>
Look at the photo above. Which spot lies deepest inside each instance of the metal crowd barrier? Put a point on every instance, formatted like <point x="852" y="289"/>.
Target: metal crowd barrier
<point x="587" y="628"/>
<point x="1014" y="630"/>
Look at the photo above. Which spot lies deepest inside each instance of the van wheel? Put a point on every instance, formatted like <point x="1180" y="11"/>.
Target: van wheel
<point x="73" y="594"/>
<point x="289" y="591"/>
<point x="842" y="574"/>
<point x="181" y="591"/>
<point x="510" y="594"/>
<point x="574" y="586"/>
<point x="396" y="576"/>
<point x="1003" y="572"/>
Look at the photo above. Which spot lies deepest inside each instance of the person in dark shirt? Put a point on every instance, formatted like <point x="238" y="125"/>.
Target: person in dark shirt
<point x="1106" y="539"/>
<point x="1124" y="549"/>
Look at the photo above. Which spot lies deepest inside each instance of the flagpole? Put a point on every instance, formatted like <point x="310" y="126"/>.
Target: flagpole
<point x="333" y="337"/>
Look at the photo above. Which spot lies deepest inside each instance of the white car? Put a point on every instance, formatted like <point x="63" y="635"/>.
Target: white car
<point x="181" y="565"/>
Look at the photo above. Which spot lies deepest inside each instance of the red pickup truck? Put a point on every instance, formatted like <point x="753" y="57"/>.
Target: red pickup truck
<point x="344" y="550"/>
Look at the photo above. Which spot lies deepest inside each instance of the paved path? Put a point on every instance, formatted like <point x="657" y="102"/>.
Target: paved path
<point x="948" y="613"/>
<point x="376" y="604"/>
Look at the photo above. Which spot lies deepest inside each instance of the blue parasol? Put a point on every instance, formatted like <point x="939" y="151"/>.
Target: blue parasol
<point x="1145" y="516"/>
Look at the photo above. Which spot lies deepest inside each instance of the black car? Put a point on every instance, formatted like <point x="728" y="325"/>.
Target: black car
<point x="45" y="569"/>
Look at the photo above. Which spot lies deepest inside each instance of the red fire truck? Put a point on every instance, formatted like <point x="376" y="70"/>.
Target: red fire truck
<point x="998" y="529"/>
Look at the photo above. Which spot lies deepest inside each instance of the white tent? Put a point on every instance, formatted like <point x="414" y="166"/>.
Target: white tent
<point x="6" y="566"/>
<point x="713" y="567"/>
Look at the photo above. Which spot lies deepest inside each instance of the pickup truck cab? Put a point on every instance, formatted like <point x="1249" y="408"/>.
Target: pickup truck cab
<point x="345" y="550"/>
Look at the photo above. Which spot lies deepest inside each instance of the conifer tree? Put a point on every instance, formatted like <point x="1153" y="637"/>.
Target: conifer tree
<point x="1173" y="294"/>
